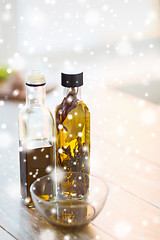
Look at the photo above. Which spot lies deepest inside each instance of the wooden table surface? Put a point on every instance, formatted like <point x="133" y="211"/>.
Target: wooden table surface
<point x="125" y="152"/>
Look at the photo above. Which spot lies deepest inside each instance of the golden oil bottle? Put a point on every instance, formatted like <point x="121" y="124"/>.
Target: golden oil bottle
<point x="73" y="133"/>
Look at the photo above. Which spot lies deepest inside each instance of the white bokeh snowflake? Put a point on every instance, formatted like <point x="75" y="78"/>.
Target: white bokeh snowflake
<point x="6" y="139"/>
<point x="47" y="234"/>
<point x="122" y="229"/>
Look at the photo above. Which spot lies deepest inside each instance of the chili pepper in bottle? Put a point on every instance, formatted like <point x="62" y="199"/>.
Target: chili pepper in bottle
<point x="73" y="133"/>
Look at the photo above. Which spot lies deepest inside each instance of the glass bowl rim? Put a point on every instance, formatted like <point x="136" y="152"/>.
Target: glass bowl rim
<point x="48" y="175"/>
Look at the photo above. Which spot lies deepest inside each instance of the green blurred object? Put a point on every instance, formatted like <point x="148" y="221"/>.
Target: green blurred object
<point x="4" y="73"/>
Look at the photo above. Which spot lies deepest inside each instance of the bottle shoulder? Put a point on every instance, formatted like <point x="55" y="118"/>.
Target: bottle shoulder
<point x="84" y="105"/>
<point x="35" y="110"/>
<point x="62" y="106"/>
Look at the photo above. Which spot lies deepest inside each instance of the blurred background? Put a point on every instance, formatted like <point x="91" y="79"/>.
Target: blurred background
<point x="115" y="43"/>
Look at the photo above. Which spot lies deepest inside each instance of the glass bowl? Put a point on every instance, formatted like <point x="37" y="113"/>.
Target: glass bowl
<point x="69" y="199"/>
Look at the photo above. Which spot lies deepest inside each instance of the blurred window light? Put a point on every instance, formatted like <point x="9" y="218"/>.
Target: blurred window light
<point x="77" y="24"/>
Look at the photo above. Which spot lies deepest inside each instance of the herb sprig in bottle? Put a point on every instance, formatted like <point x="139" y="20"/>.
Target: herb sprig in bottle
<point x="73" y="132"/>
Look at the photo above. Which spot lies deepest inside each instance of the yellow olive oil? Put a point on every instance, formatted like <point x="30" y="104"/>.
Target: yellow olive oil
<point x="70" y="213"/>
<point x="73" y="138"/>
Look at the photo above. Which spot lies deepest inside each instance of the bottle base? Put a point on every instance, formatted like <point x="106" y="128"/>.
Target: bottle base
<point x="28" y="202"/>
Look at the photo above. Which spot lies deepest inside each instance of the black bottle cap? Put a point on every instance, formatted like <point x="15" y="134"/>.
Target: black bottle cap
<point x="72" y="80"/>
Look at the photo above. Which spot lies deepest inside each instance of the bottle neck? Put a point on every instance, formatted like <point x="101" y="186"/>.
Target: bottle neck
<point x="75" y="91"/>
<point x="35" y="95"/>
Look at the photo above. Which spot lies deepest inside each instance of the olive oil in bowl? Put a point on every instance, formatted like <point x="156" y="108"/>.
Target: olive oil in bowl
<point x="66" y="206"/>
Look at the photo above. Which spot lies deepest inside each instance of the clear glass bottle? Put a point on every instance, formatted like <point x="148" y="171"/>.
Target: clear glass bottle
<point x="73" y="131"/>
<point x="36" y="135"/>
